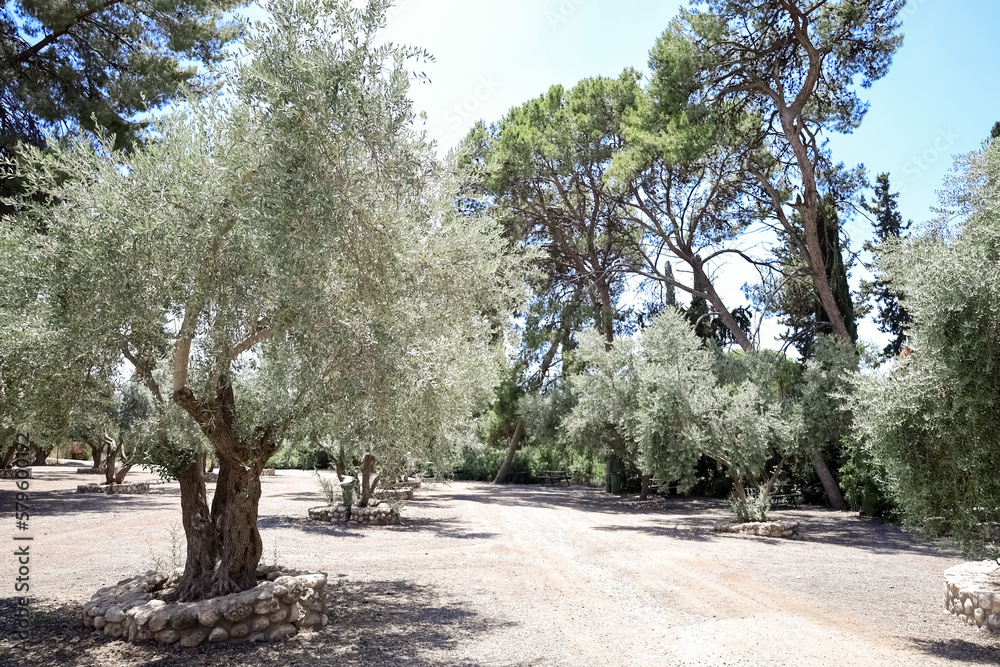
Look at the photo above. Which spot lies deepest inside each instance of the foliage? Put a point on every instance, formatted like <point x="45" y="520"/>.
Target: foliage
<point x="663" y="400"/>
<point x="300" y="456"/>
<point x="793" y="66"/>
<point x="288" y="251"/>
<point x="479" y="463"/>
<point x="893" y="318"/>
<point x="933" y="421"/>
<point x="100" y="65"/>
<point x="544" y="166"/>
<point x="331" y="489"/>
<point x="790" y="292"/>
<point x="865" y="482"/>
<point x="753" y="507"/>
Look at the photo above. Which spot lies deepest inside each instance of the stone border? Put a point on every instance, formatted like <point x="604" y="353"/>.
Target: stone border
<point x="12" y="473"/>
<point x="972" y="592"/>
<point x="394" y="494"/>
<point x="90" y="471"/>
<point x="211" y="477"/>
<point x="784" y="529"/>
<point x="379" y="515"/>
<point x="267" y="472"/>
<point x="275" y="609"/>
<point x="129" y="487"/>
<point x="408" y="484"/>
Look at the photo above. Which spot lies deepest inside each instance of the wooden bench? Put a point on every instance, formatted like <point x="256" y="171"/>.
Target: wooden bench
<point x="554" y="477"/>
<point x="792" y="499"/>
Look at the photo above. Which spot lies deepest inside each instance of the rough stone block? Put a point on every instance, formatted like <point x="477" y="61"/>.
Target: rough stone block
<point x="237" y="612"/>
<point x="166" y="636"/>
<point x="158" y="621"/>
<point x="283" y="631"/>
<point x="208" y="616"/>
<point x="193" y="638"/>
<point x="268" y="606"/>
<point x="184" y="618"/>
<point x="114" y="615"/>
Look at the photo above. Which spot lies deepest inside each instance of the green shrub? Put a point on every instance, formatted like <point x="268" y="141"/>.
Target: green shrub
<point x="479" y="464"/>
<point x="298" y="456"/>
<point x="331" y="489"/>
<point x="866" y="483"/>
<point x="752" y="508"/>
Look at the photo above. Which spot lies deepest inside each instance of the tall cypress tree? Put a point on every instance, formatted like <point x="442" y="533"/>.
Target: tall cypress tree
<point x="892" y="317"/>
<point x="828" y="227"/>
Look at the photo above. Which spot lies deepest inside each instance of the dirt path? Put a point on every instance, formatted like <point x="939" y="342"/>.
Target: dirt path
<point x="517" y="575"/>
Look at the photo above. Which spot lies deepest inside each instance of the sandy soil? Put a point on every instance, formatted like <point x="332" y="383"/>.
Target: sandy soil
<point x="513" y="575"/>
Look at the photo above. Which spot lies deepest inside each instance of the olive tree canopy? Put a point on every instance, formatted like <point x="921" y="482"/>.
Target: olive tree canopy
<point x="287" y="253"/>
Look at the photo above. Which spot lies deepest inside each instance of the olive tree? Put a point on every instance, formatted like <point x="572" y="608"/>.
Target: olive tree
<point x="283" y="252"/>
<point x="668" y="400"/>
<point x="933" y="421"/>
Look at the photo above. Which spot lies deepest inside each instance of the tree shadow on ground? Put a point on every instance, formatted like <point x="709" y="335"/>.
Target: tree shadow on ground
<point x="961" y="650"/>
<point x="817" y="524"/>
<point x="448" y="529"/>
<point x="879" y="537"/>
<point x="69" y="502"/>
<point x="578" y="498"/>
<point x="673" y="531"/>
<point x="371" y="623"/>
<point x="444" y="528"/>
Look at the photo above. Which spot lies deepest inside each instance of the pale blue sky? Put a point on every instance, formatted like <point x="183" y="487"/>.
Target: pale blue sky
<point x="940" y="97"/>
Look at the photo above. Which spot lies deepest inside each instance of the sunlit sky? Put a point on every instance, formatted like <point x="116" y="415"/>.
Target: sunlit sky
<point x="940" y="97"/>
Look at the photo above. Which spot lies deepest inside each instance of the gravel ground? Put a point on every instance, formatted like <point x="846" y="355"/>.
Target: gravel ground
<point x="513" y="575"/>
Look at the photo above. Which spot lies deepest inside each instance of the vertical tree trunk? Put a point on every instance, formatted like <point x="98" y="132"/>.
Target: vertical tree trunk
<point x="508" y="460"/>
<point x="96" y="451"/>
<point x="40" y="455"/>
<point x="606" y="322"/>
<point x="234" y="514"/>
<point x="644" y="491"/>
<point x="829" y="483"/>
<point x="199" y="531"/>
<point x="8" y="455"/>
<point x="368" y="479"/>
<point x="109" y="464"/>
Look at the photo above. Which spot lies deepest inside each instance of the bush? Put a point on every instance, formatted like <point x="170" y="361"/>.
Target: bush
<point x="479" y="464"/>
<point x="300" y="457"/>
<point x="866" y="483"/>
<point x="331" y="490"/>
<point x="752" y="508"/>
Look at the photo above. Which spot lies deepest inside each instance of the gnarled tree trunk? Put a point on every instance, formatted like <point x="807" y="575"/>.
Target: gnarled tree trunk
<point x="97" y="451"/>
<point x="40" y="455"/>
<point x="234" y="513"/>
<point x="199" y="531"/>
<point x="369" y="479"/>
<point x="237" y="546"/>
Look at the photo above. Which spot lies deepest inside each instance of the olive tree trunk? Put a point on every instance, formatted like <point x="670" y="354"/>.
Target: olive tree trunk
<point x="224" y="545"/>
